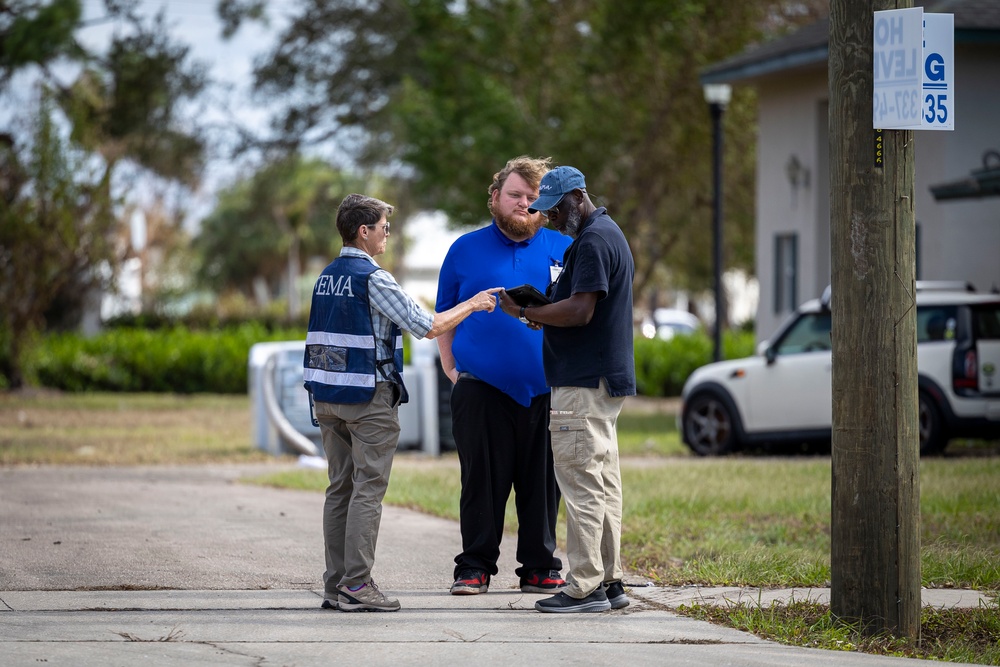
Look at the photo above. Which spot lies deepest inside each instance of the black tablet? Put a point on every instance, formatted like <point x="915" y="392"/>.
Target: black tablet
<point x="527" y="295"/>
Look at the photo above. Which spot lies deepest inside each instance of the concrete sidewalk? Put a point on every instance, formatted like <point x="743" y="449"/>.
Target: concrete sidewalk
<point x="184" y="565"/>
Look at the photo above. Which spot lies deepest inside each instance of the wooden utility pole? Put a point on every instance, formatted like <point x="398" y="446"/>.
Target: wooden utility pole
<point x="875" y="557"/>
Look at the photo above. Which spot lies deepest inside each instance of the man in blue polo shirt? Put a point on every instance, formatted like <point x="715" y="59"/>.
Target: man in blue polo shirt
<point x="500" y="401"/>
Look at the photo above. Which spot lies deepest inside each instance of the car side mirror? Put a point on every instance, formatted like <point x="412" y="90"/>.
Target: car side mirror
<point x="771" y="355"/>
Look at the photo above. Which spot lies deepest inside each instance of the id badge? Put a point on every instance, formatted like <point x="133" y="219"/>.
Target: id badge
<point x="554" y="272"/>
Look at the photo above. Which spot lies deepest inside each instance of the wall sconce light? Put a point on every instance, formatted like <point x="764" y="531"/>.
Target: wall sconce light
<point x="798" y="175"/>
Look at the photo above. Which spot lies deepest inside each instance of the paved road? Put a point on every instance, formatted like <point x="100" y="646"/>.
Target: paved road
<point x="185" y="565"/>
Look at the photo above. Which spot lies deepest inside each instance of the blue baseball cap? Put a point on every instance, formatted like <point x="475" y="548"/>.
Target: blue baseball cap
<point x="554" y="186"/>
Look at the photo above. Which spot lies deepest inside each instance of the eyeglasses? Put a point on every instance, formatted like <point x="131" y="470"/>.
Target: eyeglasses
<point x="553" y="212"/>
<point x="385" y="227"/>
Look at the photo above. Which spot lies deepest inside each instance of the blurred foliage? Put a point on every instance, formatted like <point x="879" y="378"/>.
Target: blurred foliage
<point x="174" y="359"/>
<point x="232" y="310"/>
<point x="61" y="240"/>
<point x="36" y="33"/>
<point x="662" y="366"/>
<point x="152" y="354"/>
<point x="55" y="226"/>
<point x="263" y="226"/>
<point x="125" y="104"/>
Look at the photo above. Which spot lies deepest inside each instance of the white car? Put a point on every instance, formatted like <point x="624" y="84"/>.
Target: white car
<point x="784" y="393"/>
<point x="668" y="322"/>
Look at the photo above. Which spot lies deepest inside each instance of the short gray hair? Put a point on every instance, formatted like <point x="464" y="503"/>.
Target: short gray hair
<point x="357" y="211"/>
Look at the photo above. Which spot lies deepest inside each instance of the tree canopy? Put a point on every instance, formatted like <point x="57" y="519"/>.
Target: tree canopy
<point x="264" y="225"/>
<point x="58" y="204"/>
<point x="37" y="33"/>
<point x="441" y="94"/>
<point x="55" y="233"/>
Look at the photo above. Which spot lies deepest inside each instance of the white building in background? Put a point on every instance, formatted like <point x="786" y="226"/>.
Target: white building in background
<point x="957" y="235"/>
<point x="428" y="239"/>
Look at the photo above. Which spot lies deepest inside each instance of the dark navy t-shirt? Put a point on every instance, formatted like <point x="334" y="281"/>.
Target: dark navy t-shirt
<point x="599" y="260"/>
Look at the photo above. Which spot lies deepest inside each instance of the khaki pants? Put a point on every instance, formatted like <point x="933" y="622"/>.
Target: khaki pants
<point x="585" y="452"/>
<point x="359" y="441"/>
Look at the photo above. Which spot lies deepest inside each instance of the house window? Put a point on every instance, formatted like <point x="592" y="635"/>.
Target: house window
<point x="786" y="272"/>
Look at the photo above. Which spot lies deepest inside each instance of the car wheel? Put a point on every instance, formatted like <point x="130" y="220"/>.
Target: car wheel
<point x="709" y="426"/>
<point x="930" y="425"/>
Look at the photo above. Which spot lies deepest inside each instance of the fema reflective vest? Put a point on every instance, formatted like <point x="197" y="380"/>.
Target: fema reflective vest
<point x="340" y="359"/>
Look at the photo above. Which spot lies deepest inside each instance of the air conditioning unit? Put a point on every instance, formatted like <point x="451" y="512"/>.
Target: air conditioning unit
<point x="281" y="420"/>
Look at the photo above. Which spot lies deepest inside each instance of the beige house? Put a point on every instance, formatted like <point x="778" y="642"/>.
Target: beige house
<point x="957" y="172"/>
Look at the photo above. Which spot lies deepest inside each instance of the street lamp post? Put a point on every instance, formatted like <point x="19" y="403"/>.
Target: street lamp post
<point x="717" y="95"/>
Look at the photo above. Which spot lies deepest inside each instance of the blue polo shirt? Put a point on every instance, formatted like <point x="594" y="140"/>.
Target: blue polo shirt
<point x="496" y="347"/>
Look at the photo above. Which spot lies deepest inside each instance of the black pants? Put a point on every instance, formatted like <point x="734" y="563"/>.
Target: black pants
<point x="502" y="445"/>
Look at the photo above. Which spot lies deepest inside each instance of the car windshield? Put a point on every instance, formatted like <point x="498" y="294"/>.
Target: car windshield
<point x="809" y="333"/>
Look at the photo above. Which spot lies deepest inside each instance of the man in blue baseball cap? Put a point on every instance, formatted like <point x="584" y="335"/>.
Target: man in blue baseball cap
<point x="588" y="358"/>
<point x="554" y="186"/>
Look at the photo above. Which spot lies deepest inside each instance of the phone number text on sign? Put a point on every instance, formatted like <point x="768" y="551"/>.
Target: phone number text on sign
<point x="897" y="59"/>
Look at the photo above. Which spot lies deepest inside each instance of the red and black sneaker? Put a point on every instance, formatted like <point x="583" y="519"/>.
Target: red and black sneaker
<point x="470" y="582"/>
<point x="542" y="581"/>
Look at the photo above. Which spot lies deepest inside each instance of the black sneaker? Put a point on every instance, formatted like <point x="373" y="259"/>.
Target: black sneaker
<point x="561" y="603"/>
<point x="542" y="581"/>
<point x="470" y="582"/>
<point x="616" y="594"/>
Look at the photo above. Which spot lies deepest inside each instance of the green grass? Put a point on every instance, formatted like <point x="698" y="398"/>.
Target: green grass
<point x="650" y="434"/>
<point x="732" y="521"/>
<point x="124" y="429"/>
<point x="745" y="522"/>
<point x="953" y="635"/>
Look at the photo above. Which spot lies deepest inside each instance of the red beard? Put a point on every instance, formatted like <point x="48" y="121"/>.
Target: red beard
<point x="517" y="228"/>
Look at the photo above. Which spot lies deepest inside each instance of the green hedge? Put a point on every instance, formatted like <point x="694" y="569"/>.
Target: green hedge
<point x="179" y="360"/>
<point x="662" y="366"/>
<point x="142" y="360"/>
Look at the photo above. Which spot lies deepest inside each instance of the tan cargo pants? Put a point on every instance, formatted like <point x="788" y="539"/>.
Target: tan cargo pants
<point x="585" y="452"/>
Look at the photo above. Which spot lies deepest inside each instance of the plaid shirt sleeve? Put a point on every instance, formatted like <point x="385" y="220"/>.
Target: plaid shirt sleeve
<point x="389" y="299"/>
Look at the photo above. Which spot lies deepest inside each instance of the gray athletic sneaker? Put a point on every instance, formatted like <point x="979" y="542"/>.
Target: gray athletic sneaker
<point x="365" y="598"/>
<point x="560" y="603"/>
<point x="616" y="594"/>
